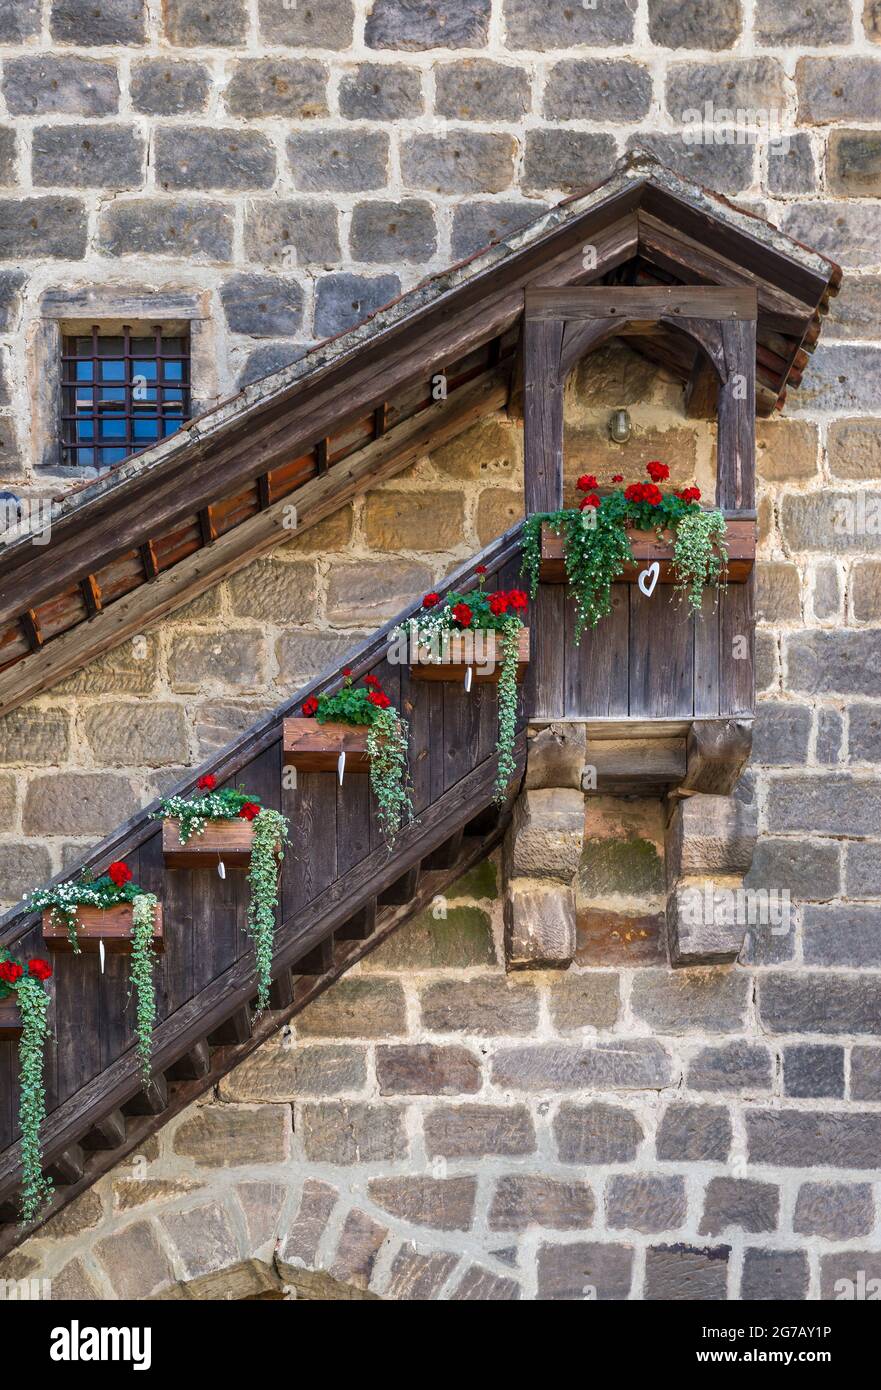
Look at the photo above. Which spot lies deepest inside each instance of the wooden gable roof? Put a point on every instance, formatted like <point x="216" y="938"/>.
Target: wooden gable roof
<point x="169" y="523"/>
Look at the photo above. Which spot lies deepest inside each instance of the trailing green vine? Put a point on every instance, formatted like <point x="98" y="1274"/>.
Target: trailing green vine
<point x="267" y="852"/>
<point x="388" y="738"/>
<point x="193" y="814"/>
<point x="141" y="975"/>
<point x="29" y="990"/>
<point x="472" y="615"/>
<point x="597" y="544"/>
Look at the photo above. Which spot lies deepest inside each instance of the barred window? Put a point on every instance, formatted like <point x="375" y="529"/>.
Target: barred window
<point x="120" y="394"/>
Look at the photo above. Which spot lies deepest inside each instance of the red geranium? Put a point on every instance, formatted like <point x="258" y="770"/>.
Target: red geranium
<point x="617" y="477"/>
<point x="40" y="969"/>
<point x="498" y="604"/>
<point x="249" y="810"/>
<point x="462" y="615"/>
<point x="480" y="569"/>
<point x="378" y="698"/>
<point x="372" y="680"/>
<point x="207" y="783"/>
<point x="430" y="600"/>
<point x="310" y="707"/>
<point x="644" y="492"/>
<point x="657" y="471"/>
<point x="590" y="501"/>
<point x="10" y="972"/>
<point x="518" y="599"/>
<point x="347" y="670"/>
<point x="586" y="482"/>
<point x="120" y="873"/>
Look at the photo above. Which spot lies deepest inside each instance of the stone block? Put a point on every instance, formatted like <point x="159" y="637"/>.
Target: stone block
<point x="678" y="24"/>
<point x="525" y="1200"/>
<point x="425" y="1069"/>
<point x="711" y="1001"/>
<point x="639" y="1202"/>
<point x="344" y="300"/>
<point x="485" y="1006"/>
<point x="262" y="306"/>
<point x="792" y="167"/>
<point x="283" y="234"/>
<point x="299" y="1246"/>
<point x="444" y="1204"/>
<point x="778" y="592"/>
<point x="710" y="834"/>
<point x="388" y="233"/>
<point x="361" y="1240"/>
<point x="417" y="1277"/>
<point x="276" y="591"/>
<point x="199" y="230"/>
<point x="398" y="24"/>
<point x="734" y="1066"/>
<point x="813" y="1139"/>
<point x="777" y="23"/>
<point x="545" y="837"/>
<point x="139" y="735"/>
<point x="459" y="161"/>
<point x="381" y="92"/>
<point x="559" y="24"/>
<point x="568" y="160"/>
<point x="703" y="926"/>
<point x="741" y="1204"/>
<point x="694" y="1134"/>
<point x="325" y="25"/>
<point x="52" y="227"/>
<point x="584" y="1000"/>
<point x="539" y="925"/>
<point x="596" y="1133"/>
<point x="293" y="88"/>
<point x="619" y="938"/>
<point x="813" y="1070"/>
<point x="480" y="1286"/>
<point x="597" y="89"/>
<point x="338" y="161"/>
<point x="203" y="1237"/>
<point x="424" y="520"/>
<point x="476" y="224"/>
<point x="475" y="89"/>
<point x="162" y="88"/>
<point x="684" y="1273"/>
<point x="77" y="803"/>
<point x="774" y="1275"/>
<point x="620" y="1065"/>
<point x="191" y="24"/>
<point x="29" y="735"/>
<point x="347" y="1132"/>
<point x="829" y="805"/>
<point x="497" y="510"/>
<point x="478" y="1131"/>
<point x="46" y="84"/>
<point x="820" y="1002"/>
<point x="853" y="163"/>
<point x="20" y="20"/>
<point x="229" y="1136"/>
<point x="211" y="157"/>
<point x="835" y="1211"/>
<point x="134" y="1261"/>
<point x="369" y="592"/>
<point x="580" y="1271"/>
<point x="280" y="1072"/>
<point x="355" y="1007"/>
<point x="232" y="660"/>
<point x="837" y="89"/>
<point x="461" y="938"/>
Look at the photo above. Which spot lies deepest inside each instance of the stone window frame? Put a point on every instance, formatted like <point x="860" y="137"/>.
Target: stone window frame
<point x="72" y="311"/>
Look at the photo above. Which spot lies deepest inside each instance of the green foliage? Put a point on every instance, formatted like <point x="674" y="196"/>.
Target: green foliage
<point x="507" y="766"/>
<point x="63" y="899"/>
<point x="699" y="555"/>
<point x="267" y="852"/>
<point x="33" y="1003"/>
<point x="597" y="548"/>
<point x="194" y="812"/>
<point x="141" y="974"/>
<point x="387" y="743"/>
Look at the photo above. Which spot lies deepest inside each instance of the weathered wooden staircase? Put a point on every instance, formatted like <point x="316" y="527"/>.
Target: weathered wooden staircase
<point x="341" y="894"/>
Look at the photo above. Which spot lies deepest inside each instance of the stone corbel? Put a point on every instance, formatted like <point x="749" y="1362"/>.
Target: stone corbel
<point x="708" y="850"/>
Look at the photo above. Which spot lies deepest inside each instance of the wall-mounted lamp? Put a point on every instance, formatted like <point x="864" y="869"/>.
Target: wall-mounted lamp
<point x="620" y="427"/>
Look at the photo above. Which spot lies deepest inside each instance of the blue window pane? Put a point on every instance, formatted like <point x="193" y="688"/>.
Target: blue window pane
<point x="146" y="429"/>
<point x="113" y="393"/>
<point x="170" y="395"/>
<point x="85" y="430"/>
<point x="112" y="427"/>
<point x="173" y="371"/>
<point x="83" y="371"/>
<point x="112" y="370"/>
<point x="111" y="456"/>
<point x="171" y="425"/>
<point x="145" y="368"/>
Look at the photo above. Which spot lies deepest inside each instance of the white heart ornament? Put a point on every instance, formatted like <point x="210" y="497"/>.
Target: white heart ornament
<point x="648" y="579"/>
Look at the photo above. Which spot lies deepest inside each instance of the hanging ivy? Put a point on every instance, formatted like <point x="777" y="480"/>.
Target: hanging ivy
<point x="597" y="547"/>
<point x="388" y="738"/>
<point x="29" y="989"/>
<point x="267" y="852"/>
<point x="479" y="610"/>
<point x="194" y="812"/>
<point x="143" y="961"/>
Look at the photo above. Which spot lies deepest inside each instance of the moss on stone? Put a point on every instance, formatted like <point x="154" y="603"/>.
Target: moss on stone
<point x="464" y="937"/>
<point x="479" y="882"/>
<point x="620" y="866"/>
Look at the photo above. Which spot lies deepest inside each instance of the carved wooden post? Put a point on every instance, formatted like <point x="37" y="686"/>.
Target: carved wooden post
<point x="542" y="413"/>
<point x="736" y="439"/>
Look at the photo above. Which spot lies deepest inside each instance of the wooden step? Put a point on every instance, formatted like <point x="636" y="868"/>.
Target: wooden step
<point x="402" y="890"/>
<point x="193" y="1065"/>
<point x="316" y="961"/>
<point x="67" y="1168"/>
<point x="359" y="926"/>
<point x="106" y="1133"/>
<point x="445" y="856"/>
<point x="235" y="1029"/>
<point x="152" y="1099"/>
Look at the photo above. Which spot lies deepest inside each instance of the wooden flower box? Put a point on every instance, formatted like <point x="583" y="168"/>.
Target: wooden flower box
<point x="10" y="1019"/>
<point x="740" y="542"/>
<point x="313" y="747"/>
<point x="227" y="840"/>
<point x="457" y="649"/>
<point x="112" y="925"/>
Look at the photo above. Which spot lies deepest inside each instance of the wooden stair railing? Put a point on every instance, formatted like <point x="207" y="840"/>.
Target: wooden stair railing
<point x="341" y="894"/>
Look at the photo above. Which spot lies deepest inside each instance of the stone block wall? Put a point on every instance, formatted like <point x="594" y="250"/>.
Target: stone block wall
<point x="433" y="1127"/>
